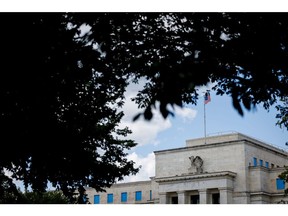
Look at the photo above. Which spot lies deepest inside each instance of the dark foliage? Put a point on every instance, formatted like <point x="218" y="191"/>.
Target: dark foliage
<point x="50" y="197"/>
<point x="284" y="176"/>
<point x="59" y="115"/>
<point x="61" y="89"/>
<point x="283" y="114"/>
<point x="9" y="194"/>
<point x="244" y="54"/>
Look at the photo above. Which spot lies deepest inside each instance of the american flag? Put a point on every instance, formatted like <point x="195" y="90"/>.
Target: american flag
<point x="207" y="98"/>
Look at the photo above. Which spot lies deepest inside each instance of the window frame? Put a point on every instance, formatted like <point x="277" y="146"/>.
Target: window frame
<point x="98" y="199"/>
<point x="110" y="198"/>
<point x="255" y="162"/>
<point x="280" y="184"/>
<point x="124" y="196"/>
<point x="138" y="195"/>
<point x="261" y="162"/>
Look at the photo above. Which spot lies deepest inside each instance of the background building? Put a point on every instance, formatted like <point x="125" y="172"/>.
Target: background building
<point x="230" y="168"/>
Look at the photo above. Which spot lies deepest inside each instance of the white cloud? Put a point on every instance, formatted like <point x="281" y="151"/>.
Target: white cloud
<point x="147" y="167"/>
<point x="187" y="114"/>
<point x="143" y="132"/>
<point x="146" y="132"/>
<point x="202" y="89"/>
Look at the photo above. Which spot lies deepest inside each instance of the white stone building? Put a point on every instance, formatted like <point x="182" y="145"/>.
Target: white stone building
<point x="230" y="169"/>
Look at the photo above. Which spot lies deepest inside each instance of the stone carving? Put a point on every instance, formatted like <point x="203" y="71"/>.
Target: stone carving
<point x="197" y="162"/>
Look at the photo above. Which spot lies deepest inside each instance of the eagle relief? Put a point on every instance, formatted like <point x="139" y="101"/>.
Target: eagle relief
<point x="197" y="162"/>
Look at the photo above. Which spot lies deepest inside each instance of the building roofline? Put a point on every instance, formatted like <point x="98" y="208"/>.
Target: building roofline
<point x="232" y="138"/>
<point x="119" y="184"/>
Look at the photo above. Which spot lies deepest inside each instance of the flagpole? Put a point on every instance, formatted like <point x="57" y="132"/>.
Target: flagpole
<point x="205" y="121"/>
<point x="207" y="99"/>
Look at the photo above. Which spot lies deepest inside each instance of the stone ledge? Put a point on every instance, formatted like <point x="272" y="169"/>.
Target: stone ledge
<point x="196" y="176"/>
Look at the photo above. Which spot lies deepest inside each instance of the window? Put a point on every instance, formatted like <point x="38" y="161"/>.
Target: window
<point x="96" y="199"/>
<point x="194" y="199"/>
<point x="216" y="198"/>
<point x="272" y="165"/>
<point x="150" y="195"/>
<point x="124" y="197"/>
<point x="261" y="162"/>
<point x="254" y="161"/>
<point x="109" y="198"/>
<point x="174" y="200"/>
<point x="280" y="184"/>
<point x="138" y="196"/>
<point x="267" y="164"/>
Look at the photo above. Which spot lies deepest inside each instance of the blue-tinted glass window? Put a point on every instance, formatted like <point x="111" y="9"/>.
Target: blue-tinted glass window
<point x="138" y="196"/>
<point x="280" y="184"/>
<point x="96" y="199"/>
<point x="254" y="161"/>
<point x="109" y="198"/>
<point x="261" y="162"/>
<point x="150" y="194"/>
<point x="267" y="164"/>
<point x="124" y="197"/>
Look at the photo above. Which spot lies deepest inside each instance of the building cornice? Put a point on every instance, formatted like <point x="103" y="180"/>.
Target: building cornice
<point x="185" y="177"/>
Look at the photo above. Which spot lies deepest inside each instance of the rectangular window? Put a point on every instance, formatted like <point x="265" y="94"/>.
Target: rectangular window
<point x="174" y="200"/>
<point x="261" y="162"/>
<point x="216" y="198"/>
<point x="124" y="197"/>
<point x="150" y="194"/>
<point x="96" y="199"/>
<point x="254" y="161"/>
<point x="138" y="196"/>
<point x="109" y="198"/>
<point x="194" y="199"/>
<point x="280" y="184"/>
<point x="267" y="164"/>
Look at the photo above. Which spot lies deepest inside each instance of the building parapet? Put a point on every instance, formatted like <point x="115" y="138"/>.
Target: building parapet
<point x="133" y="184"/>
<point x="227" y="139"/>
<point x="230" y="137"/>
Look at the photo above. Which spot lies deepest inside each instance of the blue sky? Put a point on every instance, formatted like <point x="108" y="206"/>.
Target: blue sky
<point x="188" y="123"/>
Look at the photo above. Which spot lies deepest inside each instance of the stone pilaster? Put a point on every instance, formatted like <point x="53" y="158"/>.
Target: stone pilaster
<point x="204" y="197"/>
<point x="163" y="198"/>
<point x="225" y="196"/>
<point x="182" y="197"/>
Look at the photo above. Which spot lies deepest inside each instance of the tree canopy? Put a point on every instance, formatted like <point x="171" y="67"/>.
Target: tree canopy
<point x="243" y="53"/>
<point x="59" y="116"/>
<point x="64" y="76"/>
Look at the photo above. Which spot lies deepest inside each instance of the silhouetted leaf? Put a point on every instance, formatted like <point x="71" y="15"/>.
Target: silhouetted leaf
<point x="137" y="117"/>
